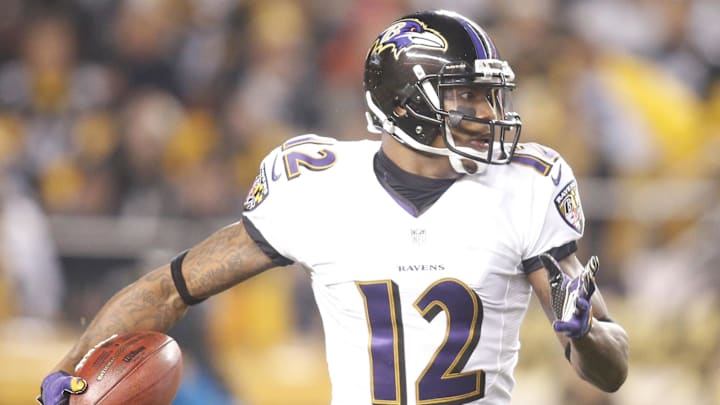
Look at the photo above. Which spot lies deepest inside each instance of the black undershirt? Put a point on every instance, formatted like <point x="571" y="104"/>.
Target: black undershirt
<point x="415" y="193"/>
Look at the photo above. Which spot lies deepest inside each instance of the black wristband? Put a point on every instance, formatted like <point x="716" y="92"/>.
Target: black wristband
<point x="179" y="280"/>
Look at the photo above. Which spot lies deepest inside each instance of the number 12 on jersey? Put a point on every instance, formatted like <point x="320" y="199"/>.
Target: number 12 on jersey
<point x="442" y="381"/>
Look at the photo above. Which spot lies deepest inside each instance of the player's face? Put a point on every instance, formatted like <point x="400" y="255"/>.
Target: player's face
<point x="472" y="101"/>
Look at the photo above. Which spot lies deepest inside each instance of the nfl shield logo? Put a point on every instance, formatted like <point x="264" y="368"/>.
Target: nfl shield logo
<point x="418" y="236"/>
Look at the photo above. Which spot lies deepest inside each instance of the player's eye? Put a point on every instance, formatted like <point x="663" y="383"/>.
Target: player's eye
<point x="467" y="95"/>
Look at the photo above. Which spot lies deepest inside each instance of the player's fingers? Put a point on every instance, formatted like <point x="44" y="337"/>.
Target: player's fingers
<point x="75" y="385"/>
<point x="57" y="386"/>
<point x="561" y="326"/>
<point x="582" y="305"/>
<point x="593" y="265"/>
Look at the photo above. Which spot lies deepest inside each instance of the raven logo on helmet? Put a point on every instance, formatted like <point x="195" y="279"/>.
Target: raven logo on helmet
<point x="407" y="34"/>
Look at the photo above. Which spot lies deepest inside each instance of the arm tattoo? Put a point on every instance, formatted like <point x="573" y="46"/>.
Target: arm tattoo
<point x="224" y="259"/>
<point x="148" y="304"/>
<point x="151" y="303"/>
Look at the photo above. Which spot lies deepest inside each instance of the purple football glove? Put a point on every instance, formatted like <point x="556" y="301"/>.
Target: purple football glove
<point x="570" y="297"/>
<point x="56" y="388"/>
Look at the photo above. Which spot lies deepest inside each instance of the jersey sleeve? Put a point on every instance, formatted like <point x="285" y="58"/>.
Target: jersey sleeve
<point x="278" y="206"/>
<point x="558" y="218"/>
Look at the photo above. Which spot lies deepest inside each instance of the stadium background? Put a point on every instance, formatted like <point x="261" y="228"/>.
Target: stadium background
<point x="130" y="129"/>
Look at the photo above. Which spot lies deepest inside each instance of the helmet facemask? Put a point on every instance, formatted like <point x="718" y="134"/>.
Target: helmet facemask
<point x="452" y="98"/>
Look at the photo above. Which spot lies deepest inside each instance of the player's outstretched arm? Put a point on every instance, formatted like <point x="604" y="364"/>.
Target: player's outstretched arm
<point x="224" y="259"/>
<point x="596" y="347"/>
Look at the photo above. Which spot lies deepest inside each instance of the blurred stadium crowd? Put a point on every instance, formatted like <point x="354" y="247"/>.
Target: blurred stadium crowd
<point x="119" y="117"/>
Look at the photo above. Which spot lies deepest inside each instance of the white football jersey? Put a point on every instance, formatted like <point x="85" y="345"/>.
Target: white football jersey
<point x="415" y="310"/>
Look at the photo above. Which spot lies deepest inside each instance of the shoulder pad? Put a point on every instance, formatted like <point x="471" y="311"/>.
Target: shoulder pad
<point x="307" y="151"/>
<point x="308" y="139"/>
<point x="287" y="162"/>
<point x="539" y="157"/>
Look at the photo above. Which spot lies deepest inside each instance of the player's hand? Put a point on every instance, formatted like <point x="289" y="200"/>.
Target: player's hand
<point x="57" y="387"/>
<point x="570" y="297"/>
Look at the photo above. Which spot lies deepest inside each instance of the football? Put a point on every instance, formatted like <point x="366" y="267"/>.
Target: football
<point x="139" y="368"/>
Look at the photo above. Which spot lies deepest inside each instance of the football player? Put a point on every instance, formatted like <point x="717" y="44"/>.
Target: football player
<point x="424" y="248"/>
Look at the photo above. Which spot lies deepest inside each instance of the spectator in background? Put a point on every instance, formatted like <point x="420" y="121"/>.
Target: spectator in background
<point x="205" y="60"/>
<point x="145" y="36"/>
<point x="51" y="95"/>
<point x="269" y="99"/>
<point x="28" y="258"/>
<point x="341" y="64"/>
<point x="148" y="122"/>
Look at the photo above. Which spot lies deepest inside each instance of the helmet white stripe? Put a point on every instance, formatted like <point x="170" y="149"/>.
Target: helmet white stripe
<point x="427" y="87"/>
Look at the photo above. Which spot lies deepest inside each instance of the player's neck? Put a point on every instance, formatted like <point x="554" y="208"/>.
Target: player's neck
<point x="436" y="167"/>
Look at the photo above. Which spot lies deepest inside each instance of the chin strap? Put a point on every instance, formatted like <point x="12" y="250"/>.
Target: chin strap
<point x="466" y="166"/>
<point x="457" y="164"/>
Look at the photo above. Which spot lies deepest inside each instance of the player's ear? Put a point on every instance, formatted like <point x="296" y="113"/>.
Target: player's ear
<point x="400" y="111"/>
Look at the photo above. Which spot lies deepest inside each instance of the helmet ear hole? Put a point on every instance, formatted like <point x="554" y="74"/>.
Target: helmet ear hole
<point x="407" y="94"/>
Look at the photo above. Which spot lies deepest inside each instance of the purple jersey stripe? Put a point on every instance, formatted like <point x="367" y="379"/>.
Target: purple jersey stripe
<point x="542" y="167"/>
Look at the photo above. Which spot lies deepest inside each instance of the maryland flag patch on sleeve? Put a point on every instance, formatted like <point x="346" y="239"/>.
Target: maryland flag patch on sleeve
<point x="258" y="192"/>
<point x="568" y="204"/>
